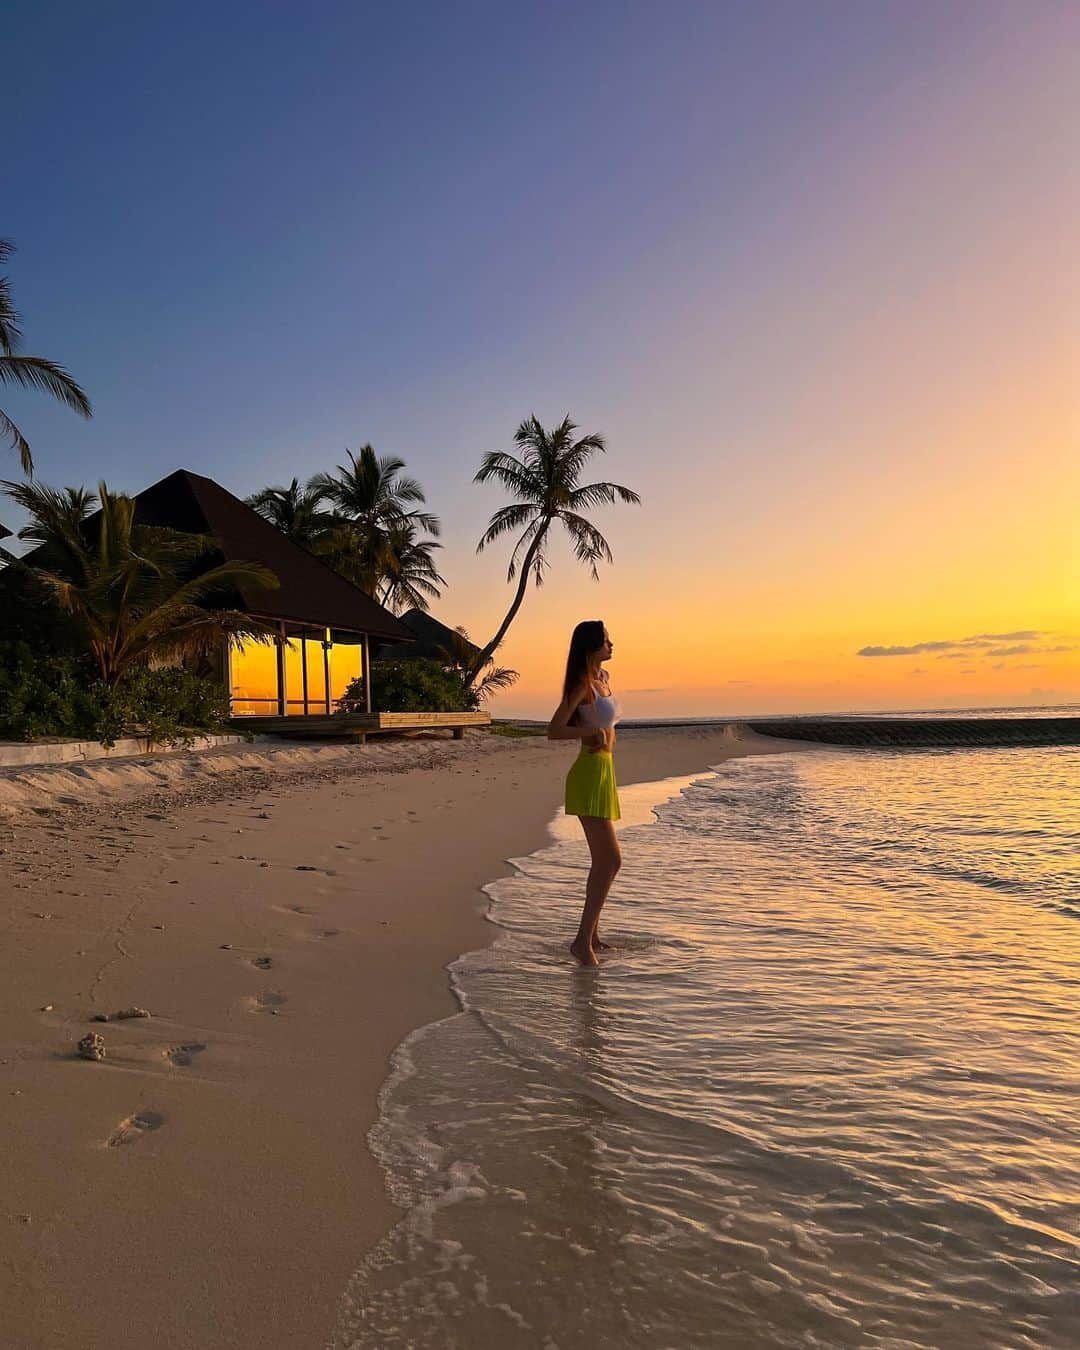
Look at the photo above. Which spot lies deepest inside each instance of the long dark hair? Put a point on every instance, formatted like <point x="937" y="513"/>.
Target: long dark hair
<point x="587" y="638"/>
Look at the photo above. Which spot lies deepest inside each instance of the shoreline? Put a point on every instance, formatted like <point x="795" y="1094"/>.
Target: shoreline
<point x="210" y="1181"/>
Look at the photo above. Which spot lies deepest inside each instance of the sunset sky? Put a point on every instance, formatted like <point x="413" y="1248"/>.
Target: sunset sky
<point x="810" y="268"/>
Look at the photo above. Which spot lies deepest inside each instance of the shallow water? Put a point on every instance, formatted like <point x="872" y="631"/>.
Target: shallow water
<point x="824" y="1094"/>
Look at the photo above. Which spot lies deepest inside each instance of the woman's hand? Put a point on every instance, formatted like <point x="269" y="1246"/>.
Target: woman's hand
<point x="602" y="740"/>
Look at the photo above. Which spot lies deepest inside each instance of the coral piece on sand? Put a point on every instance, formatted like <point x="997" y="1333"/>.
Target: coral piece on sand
<point x="92" y="1046"/>
<point x="125" y="1013"/>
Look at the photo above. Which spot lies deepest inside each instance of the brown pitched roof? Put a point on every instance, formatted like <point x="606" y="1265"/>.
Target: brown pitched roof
<point x="310" y="591"/>
<point x="430" y="639"/>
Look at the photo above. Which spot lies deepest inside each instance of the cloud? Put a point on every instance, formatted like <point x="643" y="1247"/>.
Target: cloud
<point x="980" y="644"/>
<point x="649" y="691"/>
<point x="738" y="681"/>
<point x="905" y="651"/>
<point x="969" y="671"/>
<point x="919" y="670"/>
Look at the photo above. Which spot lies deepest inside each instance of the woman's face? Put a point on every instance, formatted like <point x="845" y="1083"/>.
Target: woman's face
<point x="604" y="654"/>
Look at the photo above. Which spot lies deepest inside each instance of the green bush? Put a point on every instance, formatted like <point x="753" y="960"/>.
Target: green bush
<point x="45" y="694"/>
<point x="413" y="686"/>
<point x="171" y="706"/>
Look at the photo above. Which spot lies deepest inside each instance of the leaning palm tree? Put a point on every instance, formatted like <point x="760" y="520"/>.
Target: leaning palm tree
<point x="297" y="512"/>
<point x="409" y="575"/>
<point x="371" y="496"/>
<point x="544" y="479"/>
<point x="31" y="372"/>
<point x="131" y="591"/>
<point x="459" y="653"/>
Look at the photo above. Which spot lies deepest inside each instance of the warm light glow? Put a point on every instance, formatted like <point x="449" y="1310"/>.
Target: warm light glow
<point x="253" y="668"/>
<point x="253" y="679"/>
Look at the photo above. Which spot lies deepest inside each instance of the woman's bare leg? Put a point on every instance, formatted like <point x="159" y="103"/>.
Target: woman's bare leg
<point x="606" y="861"/>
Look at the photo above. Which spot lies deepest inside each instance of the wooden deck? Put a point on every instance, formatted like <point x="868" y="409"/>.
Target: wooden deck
<point x="359" y="726"/>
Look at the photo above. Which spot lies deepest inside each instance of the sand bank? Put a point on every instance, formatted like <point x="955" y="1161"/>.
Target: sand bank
<point x="285" y="915"/>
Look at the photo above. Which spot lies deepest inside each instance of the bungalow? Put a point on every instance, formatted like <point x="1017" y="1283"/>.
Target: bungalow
<point x="324" y="624"/>
<point x="431" y="640"/>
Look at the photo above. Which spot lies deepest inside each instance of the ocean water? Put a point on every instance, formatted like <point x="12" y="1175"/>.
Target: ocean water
<point x="826" y="1093"/>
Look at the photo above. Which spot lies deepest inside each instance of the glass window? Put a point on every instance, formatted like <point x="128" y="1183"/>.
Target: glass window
<point x="316" y="672"/>
<point x="346" y="665"/>
<point x="294" y="677"/>
<point x="253" y="678"/>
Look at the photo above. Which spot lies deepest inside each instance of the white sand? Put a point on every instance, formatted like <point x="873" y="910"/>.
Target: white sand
<point x="285" y="915"/>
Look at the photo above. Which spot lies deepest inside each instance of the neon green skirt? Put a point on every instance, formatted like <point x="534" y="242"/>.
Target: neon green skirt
<point x="590" y="786"/>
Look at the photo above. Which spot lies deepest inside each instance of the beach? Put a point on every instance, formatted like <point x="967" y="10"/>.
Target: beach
<point x="285" y="917"/>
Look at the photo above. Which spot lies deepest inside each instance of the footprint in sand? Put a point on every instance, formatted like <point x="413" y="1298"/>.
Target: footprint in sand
<point x="270" y="1002"/>
<point x="142" y="1122"/>
<point x="329" y="932"/>
<point x="182" y="1055"/>
<point x="297" y="909"/>
<point x="262" y="962"/>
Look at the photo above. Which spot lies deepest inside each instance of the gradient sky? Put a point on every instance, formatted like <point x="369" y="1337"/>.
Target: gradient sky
<point x="810" y="267"/>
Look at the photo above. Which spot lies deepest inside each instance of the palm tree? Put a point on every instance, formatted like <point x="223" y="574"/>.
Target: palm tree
<point x="32" y="372"/>
<point x="459" y="653"/>
<point x="130" y="590"/>
<point x="297" y="512"/>
<point x="371" y="497"/>
<point x="544" y="479"/>
<point x="409" y="575"/>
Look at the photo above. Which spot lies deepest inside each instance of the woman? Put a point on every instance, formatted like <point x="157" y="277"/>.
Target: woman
<point x="588" y="712"/>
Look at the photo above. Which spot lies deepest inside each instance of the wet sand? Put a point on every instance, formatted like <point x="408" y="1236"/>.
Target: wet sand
<point x="285" y="917"/>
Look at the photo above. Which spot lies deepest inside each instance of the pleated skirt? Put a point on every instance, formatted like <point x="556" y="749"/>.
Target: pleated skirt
<point x="590" y="786"/>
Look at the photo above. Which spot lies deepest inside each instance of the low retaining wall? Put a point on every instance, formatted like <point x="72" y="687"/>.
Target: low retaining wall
<point x="924" y="732"/>
<point x="24" y="754"/>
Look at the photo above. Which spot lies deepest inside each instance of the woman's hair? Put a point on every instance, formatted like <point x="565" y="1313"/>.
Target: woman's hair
<point x="587" y="637"/>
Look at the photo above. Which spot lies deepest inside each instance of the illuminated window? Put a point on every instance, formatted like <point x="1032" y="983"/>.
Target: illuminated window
<point x="253" y="673"/>
<point x="346" y="665"/>
<point x="253" y="678"/>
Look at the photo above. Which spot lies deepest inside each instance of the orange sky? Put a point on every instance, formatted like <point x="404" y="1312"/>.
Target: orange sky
<point x="875" y="444"/>
<point x="811" y="269"/>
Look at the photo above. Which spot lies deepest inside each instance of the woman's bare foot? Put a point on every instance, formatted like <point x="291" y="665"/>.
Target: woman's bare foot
<point x="584" y="952"/>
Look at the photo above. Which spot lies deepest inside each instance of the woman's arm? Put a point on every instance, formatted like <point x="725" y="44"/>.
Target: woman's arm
<point x="559" y="728"/>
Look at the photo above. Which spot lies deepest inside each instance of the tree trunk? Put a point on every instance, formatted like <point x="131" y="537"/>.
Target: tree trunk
<point x="523" y="585"/>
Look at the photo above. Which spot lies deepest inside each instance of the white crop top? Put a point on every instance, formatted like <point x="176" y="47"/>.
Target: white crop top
<point x="603" y="713"/>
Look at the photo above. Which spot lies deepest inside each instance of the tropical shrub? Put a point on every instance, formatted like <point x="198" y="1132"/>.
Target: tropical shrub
<point x="45" y="694"/>
<point x="169" y="705"/>
<point x="412" y="686"/>
<point x="55" y="695"/>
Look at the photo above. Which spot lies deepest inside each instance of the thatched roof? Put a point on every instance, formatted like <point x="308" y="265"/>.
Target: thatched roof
<point x="5" y="533"/>
<point x="430" y="639"/>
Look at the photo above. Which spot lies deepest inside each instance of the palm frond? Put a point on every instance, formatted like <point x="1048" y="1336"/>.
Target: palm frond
<point x="522" y="544"/>
<point x="17" y="441"/>
<point x="34" y="372"/>
<point x="502" y="677"/>
<point x="600" y="494"/>
<point x="576" y="456"/>
<point x="10" y="332"/>
<point x="504" y="520"/>
<point x="590" y="546"/>
<point x="511" y="473"/>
